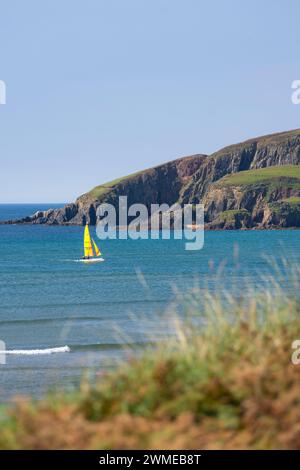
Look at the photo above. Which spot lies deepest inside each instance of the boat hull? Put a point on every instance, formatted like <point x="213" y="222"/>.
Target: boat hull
<point x="92" y="260"/>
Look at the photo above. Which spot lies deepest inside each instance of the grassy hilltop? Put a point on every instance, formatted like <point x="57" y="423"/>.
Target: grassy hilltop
<point x="266" y="175"/>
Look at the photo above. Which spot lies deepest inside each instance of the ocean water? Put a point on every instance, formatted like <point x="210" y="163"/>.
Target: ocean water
<point x="49" y="300"/>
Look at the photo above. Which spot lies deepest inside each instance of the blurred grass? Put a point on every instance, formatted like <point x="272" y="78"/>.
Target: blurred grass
<point x="224" y="381"/>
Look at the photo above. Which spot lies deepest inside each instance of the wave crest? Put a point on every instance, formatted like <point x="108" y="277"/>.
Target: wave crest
<point x="34" y="352"/>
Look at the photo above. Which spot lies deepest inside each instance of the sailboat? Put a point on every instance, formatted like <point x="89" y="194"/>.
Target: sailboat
<point x="92" y="253"/>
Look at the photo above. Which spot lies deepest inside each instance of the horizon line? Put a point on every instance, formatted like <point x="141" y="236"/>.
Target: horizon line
<point x="27" y="203"/>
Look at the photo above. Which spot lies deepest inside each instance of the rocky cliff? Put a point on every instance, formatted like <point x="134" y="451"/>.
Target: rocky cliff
<point x="268" y="198"/>
<point x="254" y="184"/>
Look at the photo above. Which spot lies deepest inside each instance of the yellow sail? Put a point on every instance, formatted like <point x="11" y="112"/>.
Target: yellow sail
<point x="97" y="251"/>
<point x="87" y="243"/>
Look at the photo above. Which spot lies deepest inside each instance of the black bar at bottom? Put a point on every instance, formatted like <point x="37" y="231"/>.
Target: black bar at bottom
<point x="137" y="459"/>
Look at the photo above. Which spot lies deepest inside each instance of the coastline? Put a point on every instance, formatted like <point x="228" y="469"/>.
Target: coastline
<point x="192" y="227"/>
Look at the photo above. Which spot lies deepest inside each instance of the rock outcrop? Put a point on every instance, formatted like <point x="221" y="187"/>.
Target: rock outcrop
<point x="261" y="199"/>
<point x="270" y="204"/>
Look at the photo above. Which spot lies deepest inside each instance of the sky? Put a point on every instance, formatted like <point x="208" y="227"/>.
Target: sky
<point x="99" y="89"/>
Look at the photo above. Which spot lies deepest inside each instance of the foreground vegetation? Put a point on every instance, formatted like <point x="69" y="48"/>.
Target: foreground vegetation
<point x="227" y="383"/>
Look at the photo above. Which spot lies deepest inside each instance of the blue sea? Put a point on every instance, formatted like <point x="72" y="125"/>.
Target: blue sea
<point x="107" y="311"/>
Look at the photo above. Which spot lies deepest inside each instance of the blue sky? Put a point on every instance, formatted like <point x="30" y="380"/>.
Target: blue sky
<point x="98" y="89"/>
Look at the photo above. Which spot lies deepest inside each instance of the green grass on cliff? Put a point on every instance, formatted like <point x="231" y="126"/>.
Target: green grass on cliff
<point x="261" y="175"/>
<point x="228" y="384"/>
<point x="100" y="190"/>
<point x="292" y="201"/>
<point x="234" y="218"/>
<point x="230" y="214"/>
<point x="285" y="206"/>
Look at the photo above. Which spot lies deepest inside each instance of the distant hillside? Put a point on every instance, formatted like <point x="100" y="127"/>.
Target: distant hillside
<point x="253" y="184"/>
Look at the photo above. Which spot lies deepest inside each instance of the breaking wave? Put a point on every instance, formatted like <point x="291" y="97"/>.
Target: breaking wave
<point x="35" y="352"/>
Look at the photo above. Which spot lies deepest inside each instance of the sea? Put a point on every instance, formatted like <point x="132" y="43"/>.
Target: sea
<point x="62" y="320"/>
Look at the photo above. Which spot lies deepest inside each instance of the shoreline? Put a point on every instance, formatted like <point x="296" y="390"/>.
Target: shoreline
<point x="192" y="227"/>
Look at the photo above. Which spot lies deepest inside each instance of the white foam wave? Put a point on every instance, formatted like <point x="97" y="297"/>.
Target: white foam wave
<point x="33" y="352"/>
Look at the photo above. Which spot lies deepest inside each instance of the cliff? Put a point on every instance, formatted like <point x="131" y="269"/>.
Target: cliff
<point x="263" y="198"/>
<point x="254" y="184"/>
